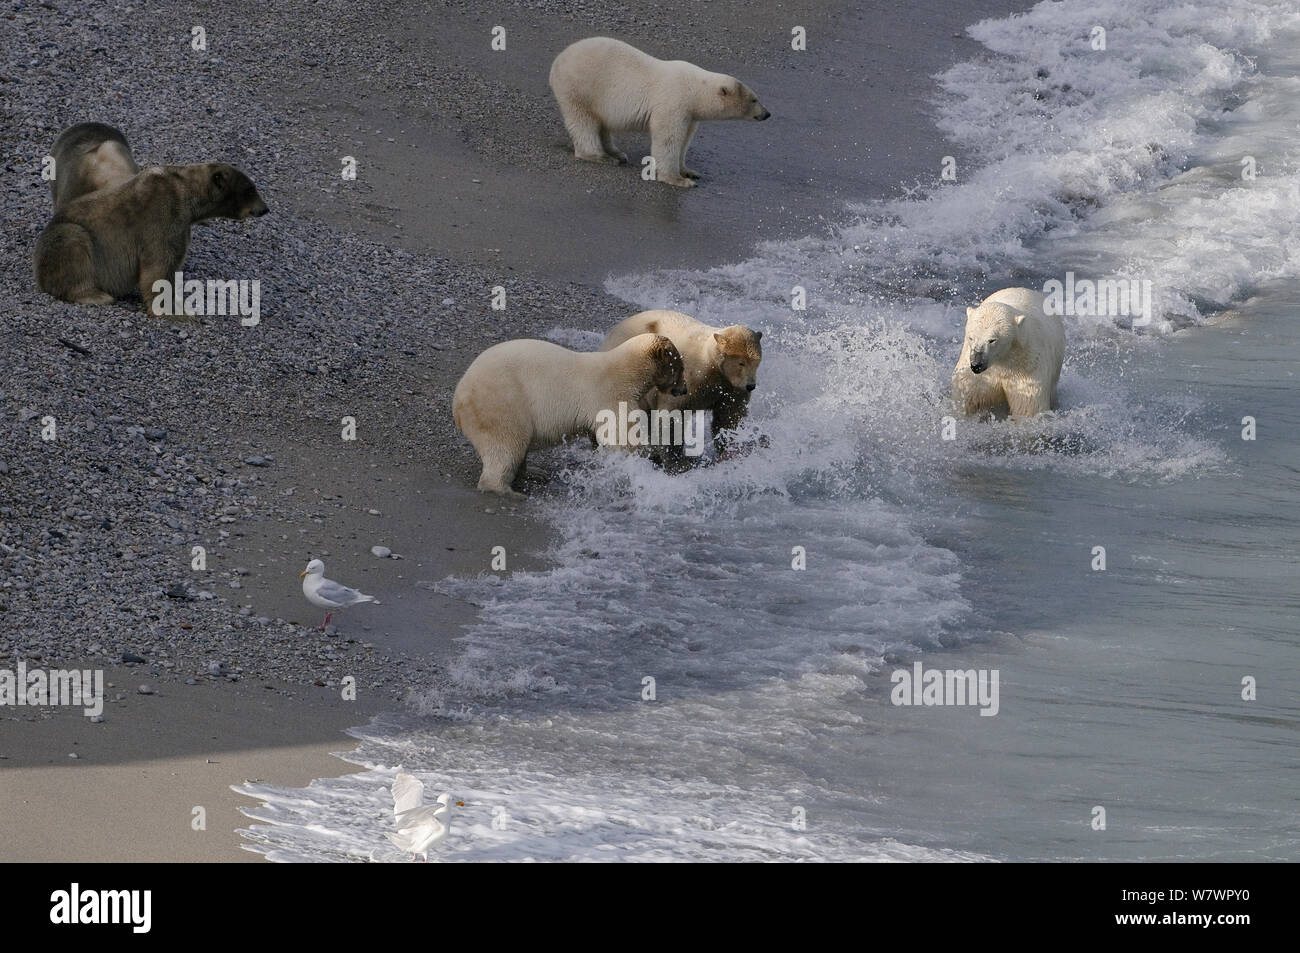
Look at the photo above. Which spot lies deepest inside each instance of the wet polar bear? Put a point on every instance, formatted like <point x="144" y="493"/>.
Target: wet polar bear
<point x="1011" y="358"/>
<point x="605" y="86"/>
<point x="527" y="395"/>
<point x="721" y="363"/>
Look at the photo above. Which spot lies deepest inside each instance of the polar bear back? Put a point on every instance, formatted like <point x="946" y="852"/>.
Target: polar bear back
<point x="623" y="86"/>
<point x="541" y="393"/>
<point x="531" y="388"/>
<point x="1025" y="300"/>
<point x="678" y="327"/>
<point x="693" y="339"/>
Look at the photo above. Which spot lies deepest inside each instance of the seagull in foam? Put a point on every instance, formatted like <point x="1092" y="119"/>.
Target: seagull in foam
<point x="419" y="825"/>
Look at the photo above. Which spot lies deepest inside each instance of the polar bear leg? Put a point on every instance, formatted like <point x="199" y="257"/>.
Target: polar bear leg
<point x="690" y="134"/>
<point x="65" y="265"/>
<point x="1027" y="401"/>
<point x="500" y="466"/>
<point x="611" y="150"/>
<point x="667" y="142"/>
<point x="585" y="131"/>
<point x="976" y="394"/>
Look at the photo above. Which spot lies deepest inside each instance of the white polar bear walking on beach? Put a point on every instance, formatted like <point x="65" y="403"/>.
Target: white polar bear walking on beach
<point x="1011" y="357"/>
<point x="605" y="86"/>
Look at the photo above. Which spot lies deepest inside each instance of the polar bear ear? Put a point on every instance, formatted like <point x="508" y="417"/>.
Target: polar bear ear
<point x="1019" y="319"/>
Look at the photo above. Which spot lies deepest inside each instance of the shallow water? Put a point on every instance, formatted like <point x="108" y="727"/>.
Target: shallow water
<point x="1119" y="689"/>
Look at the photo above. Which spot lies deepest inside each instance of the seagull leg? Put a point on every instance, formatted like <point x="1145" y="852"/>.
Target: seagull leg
<point x="327" y="621"/>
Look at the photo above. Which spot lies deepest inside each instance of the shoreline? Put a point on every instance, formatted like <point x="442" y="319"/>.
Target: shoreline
<point x="132" y="789"/>
<point x="125" y="505"/>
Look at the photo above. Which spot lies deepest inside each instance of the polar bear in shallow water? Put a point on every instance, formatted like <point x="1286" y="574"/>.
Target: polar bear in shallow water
<point x="721" y="363"/>
<point x="1011" y="357"/>
<point x="605" y="86"/>
<point x="526" y="395"/>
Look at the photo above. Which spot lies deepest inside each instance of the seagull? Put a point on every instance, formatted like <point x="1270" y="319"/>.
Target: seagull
<point x="327" y="593"/>
<point x="419" y="825"/>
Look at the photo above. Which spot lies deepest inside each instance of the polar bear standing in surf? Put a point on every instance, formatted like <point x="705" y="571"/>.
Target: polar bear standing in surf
<point x="1011" y="357"/>
<point x="605" y="86"/>
<point x="721" y="363"/>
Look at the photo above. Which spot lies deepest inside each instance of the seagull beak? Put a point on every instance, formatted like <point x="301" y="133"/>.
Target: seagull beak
<point x="460" y="803"/>
<point x="303" y="574"/>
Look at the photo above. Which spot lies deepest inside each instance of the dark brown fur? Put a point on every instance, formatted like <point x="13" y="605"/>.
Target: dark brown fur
<point x="669" y="369"/>
<point x="104" y="244"/>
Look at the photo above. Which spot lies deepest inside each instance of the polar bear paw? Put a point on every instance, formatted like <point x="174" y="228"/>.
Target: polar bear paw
<point x="602" y="157"/>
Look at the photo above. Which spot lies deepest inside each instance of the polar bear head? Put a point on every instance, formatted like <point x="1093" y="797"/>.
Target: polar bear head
<point x="991" y="330"/>
<point x="230" y="193"/>
<point x="668" y="370"/>
<point x="738" y="354"/>
<point x="729" y="98"/>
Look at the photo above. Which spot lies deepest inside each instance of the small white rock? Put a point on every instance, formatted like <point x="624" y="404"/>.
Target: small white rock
<point x="383" y="552"/>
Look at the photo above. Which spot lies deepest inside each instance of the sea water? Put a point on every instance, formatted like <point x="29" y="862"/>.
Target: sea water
<point x="675" y="688"/>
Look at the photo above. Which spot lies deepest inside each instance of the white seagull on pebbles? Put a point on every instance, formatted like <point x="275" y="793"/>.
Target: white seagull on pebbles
<point x="419" y="825"/>
<point x="328" y="594"/>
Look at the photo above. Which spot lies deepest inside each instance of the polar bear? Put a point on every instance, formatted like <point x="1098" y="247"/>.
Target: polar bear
<point x="103" y="244"/>
<point x="721" y="363"/>
<point x="527" y="395"/>
<point x="605" y="86"/>
<point x="88" y="157"/>
<point x="1011" y="357"/>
